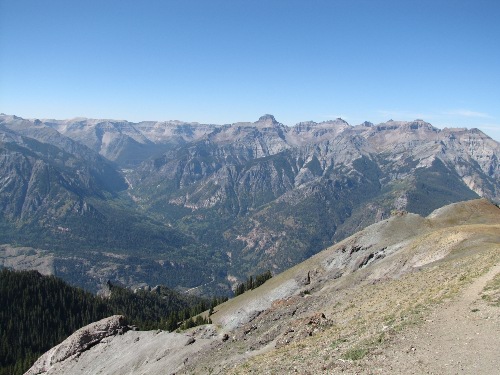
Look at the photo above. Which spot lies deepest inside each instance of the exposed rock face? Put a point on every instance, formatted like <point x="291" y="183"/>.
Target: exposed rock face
<point x="280" y="183"/>
<point x="268" y="194"/>
<point x="78" y="342"/>
<point x="129" y="143"/>
<point x="103" y="350"/>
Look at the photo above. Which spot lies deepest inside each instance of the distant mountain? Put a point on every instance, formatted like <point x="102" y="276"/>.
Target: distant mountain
<point x="45" y="176"/>
<point x="272" y="196"/>
<point x="59" y="196"/>
<point x="212" y="204"/>
<point x="128" y="143"/>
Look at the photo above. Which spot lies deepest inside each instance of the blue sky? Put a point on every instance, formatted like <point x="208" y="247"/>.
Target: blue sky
<point x="226" y="61"/>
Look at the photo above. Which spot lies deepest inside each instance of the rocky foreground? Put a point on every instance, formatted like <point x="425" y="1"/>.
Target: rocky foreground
<point x="407" y="295"/>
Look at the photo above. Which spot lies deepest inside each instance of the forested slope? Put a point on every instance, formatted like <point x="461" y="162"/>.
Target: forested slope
<point x="37" y="312"/>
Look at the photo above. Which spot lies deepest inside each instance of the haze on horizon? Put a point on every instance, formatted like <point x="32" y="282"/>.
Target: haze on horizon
<point x="227" y="61"/>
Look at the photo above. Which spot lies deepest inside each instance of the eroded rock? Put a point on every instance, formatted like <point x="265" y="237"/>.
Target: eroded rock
<point x="80" y="341"/>
<point x="302" y="328"/>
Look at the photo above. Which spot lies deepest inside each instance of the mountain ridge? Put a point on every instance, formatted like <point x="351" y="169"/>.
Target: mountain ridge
<point x="243" y="198"/>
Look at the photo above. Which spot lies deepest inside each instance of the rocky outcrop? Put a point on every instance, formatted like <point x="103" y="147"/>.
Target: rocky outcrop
<point x="302" y="328"/>
<point x="145" y="352"/>
<point x="78" y="342"/>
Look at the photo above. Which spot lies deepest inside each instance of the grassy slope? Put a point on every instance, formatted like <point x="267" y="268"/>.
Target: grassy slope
<point x="446" y="252"/>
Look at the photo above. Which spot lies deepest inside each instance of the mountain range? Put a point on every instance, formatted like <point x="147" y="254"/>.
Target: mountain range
<point x="201" y="206"/>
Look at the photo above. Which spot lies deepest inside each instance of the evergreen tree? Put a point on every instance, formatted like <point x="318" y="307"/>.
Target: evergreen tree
<point x="252" y="283"/>
<point x="38" y="312"/>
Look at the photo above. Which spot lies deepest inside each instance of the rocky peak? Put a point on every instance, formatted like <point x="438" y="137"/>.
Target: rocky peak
<point x="306" y="124"/>
<point x="421" y="124"/>
<point x="341" y="121"/>
<point x="405" y="126"/>
<point x="269" y="119"/>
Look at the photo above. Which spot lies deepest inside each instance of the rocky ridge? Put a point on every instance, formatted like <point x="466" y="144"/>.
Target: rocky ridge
<point x="230" y="200"/>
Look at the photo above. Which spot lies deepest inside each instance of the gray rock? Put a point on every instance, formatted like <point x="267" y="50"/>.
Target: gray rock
<point x="78" y="342"/>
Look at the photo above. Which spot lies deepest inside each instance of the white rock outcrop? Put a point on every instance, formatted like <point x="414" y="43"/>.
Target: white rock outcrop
<point x="78" y="342"/>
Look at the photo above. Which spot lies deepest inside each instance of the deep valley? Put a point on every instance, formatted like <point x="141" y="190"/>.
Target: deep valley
<point x="201" y="207"/>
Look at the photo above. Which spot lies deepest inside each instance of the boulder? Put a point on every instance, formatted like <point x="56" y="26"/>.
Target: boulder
<point x="80" y="341"/>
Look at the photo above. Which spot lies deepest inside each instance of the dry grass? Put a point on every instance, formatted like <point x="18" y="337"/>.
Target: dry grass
<point x="370" y="314"/>
<point x="491" y="292"/>
<point x="428" y="263"/>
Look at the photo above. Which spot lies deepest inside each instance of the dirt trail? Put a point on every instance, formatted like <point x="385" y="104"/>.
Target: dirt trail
<point x="460" y="337"/>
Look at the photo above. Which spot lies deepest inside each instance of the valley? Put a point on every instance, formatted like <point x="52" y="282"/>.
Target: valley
<point x="200" y="207"/>
<point x="409" y="294"/>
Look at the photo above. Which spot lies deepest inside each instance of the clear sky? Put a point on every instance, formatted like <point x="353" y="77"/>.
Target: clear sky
<point x="222" y="61"/>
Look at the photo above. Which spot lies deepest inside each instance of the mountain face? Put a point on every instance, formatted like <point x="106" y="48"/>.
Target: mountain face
<point x="42" y="170"/>
<point x="231" y="200"/>
<point x="126" y="143"/>
<point x="61" y="208"/>
<point x="406" y="295"/>
<point x="277" y="195"/>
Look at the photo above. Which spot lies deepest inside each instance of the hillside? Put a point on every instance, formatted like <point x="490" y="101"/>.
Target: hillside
<point x="201" y="207"/>
<point x="409" y="294"/>
<point x="60" y="206"/>
<point x="37" y="312"/>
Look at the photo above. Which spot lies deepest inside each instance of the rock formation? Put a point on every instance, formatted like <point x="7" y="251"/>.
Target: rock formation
<point x="78" y="342"/>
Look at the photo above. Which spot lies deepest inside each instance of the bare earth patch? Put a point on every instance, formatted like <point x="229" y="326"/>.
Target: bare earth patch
<point x="431" y="321"/>
<point x="461" y="336"/>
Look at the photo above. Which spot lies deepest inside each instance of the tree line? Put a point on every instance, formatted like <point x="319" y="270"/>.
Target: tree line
<point x="252" y="282"/>
<point x="38" y="312"/>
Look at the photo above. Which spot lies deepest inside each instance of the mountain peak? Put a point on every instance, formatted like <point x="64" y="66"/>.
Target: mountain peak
<point x="266" y="118"/>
